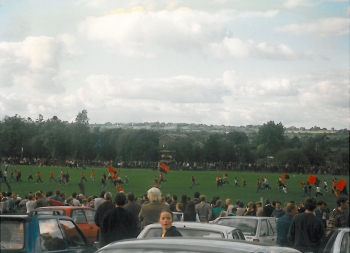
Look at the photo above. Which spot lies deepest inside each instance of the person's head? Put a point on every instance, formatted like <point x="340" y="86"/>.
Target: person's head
<point x="179" y="206"/>
<point x="130" y="197"/>
<point x="70" y="201"/>
<point x="196" y="195"/>
<point x="184" y="198"/>
<point x="278" y="204"/>
<point x="320" y="204"/>
<point x="57" y="192"/>
<point x="267" y="201"/>
<point x="241" y="204"/>
<point x="120" y="199"/>
<point x="154" y="194"/>
<point x="166" y="219"/>
<point x="202" y="198"/>
<point x="102" y="194"/>
<point x="310" y="204"/>
<point x="258" y="204"/>
<point x="223" y="213"/>
<point x="291" y="209"/>
<point x="74" y="194"/>
<point x="343" y="202"/>
<point x="218" y="203"/>
<point x="174" y="198"/>
<point x="108" y="196"/>
<point x="228" y="202"/>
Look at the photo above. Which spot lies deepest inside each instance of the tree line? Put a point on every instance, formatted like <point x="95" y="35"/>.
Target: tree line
<point x="56" y="139"/>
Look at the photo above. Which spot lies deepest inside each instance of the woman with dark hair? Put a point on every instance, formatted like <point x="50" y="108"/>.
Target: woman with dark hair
<point x="190" y="212"/>
<point x="166" y="221"/>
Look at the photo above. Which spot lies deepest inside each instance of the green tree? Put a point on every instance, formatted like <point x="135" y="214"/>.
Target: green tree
<point x="293" y="157"/>
<point x="272" y="136"/>
<point x="237" y="138"/>
<point x="82" y="117"/>
<point x="212" y="148"/>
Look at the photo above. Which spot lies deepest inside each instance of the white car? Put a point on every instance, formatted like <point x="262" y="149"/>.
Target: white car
<point x="257" y="229"/>
<point x="195" y="229"/>
<point x="337" y="242"/>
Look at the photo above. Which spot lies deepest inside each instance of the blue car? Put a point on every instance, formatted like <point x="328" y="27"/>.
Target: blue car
<point x="41" y="233"/>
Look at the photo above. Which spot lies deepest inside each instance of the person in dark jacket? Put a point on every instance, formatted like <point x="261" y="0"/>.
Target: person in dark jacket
<point x="268" y="209"/>
<point x="190" y="212"/>
<point x="306" y="232"/>
<point x="101" y="210"/>
<point x="166" y="221"/>
<point x="133" y="207"/>
<point x="118" y="223"/>
<point x="283" y="224"/>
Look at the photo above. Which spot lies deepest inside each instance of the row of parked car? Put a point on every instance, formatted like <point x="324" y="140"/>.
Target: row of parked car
<point x="72" y="229"/>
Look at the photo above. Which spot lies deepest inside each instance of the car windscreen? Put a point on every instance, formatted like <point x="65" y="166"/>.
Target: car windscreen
<point x="248" y="226"/>
<point x="12" y="234"/>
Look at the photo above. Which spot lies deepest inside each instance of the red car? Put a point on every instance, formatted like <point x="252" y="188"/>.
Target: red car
<point x="82" y="216"/>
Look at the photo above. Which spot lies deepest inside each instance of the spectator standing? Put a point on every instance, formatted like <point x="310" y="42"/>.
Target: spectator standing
<point x="278" y="211"/>
<point x="283" y="224"/>
<point x="321" y="213"/>
<point x="250" y="210"/>
<point x="98" y="201"/>
<point x="134" y="208"/>
<point x="172" y="204"/>
<point x="100" y="212"/>
<point x="306" y="230"/>
<point x="240" y="210"/>
<point x="30" y="205"/>
<point x="118" y="223"/>
<point x="229" y="205"/>
<point x="268" y="209"/>
<point x="338" y="217"/>
<point x="218" y="208"/>
<point x="190" y="213"/>
<point x="259" y="209"/>
<point x="166" y="221"/>
<point x="204" y="210"/>
<point x="150" y="213"/>
<point x="76" y="202"/>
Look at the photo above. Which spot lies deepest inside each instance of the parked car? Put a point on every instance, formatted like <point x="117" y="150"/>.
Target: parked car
<point x="32" y="233"/>
<point x="195" y="229"/>
<point x="257" y="229"/>
<point x="190" y="245"/>
<point x="338" y="241"/>
<point x="82" y="216"/>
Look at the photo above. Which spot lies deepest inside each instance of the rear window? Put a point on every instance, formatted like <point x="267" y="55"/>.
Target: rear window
<point x="12" y="234"/>
<point x="248" y="226"/>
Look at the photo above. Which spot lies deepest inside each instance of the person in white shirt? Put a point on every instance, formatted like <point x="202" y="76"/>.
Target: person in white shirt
<point x="30" y="205"/>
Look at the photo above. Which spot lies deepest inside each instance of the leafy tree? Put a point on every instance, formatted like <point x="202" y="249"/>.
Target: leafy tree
<point x="237" y="138"/>
<point x="272" y="136"/>
<point x="82" y="117"/>
<point x="212" y="148"/>
<point x="293" y="157"/>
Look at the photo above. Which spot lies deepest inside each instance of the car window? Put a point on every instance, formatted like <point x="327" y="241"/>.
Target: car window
<point x="90" y="214"/>
<point x="235" y="235"/>
<point x="330" y="242"/>
<point x="12" y="234"/>
<point x="263" y="228"/>
<point x="50" y="235"/>
<point x="273" y="225"/>
<point x="78" y="216"/>
<point x="247" y="226"/>
<point x="200" y="233"/>
<point x="269" y="228"/>
<point x="154" y="232"/>
<point x="344" y="246"/>
<point x="72" y="234"/>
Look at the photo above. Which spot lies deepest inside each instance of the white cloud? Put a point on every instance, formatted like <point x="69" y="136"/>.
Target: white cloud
<point x="255" y="14"/>
<point x="34" y="62"/>
<point x="321" y="28"/>
<point x="237" y="48"/>
<point x="296" y="3"/>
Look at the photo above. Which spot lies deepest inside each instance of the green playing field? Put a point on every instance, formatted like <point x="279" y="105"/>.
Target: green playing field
<point x="178" y="183"/>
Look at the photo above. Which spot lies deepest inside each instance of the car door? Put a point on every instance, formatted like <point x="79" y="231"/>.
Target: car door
<point x="266" y="232"/>
<point x="78" y="216"/>
<point x="92" y="229"/>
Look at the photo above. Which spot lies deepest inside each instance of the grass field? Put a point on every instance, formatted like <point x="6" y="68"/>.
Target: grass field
<point x="178" y="183"/>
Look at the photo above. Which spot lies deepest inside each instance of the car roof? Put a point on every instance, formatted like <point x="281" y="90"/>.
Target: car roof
<point x="197" y="225"/>
<point x="64" y="207"/>
<point x="247" y="217"/>
<point x="194" y="245"/>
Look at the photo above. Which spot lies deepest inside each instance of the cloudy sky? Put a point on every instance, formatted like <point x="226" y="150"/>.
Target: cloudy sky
<point x="229" y="62"/>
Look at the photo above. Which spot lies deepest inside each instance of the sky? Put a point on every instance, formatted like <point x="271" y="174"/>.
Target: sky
<point x="214" y="62"/>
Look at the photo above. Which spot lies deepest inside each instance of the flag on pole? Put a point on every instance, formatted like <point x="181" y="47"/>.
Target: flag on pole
<point x="111" y="169"/>
<point x="341" y="184"/>
<point x="163" y="168"/>
<point x="312" y="179"/>
<point x="285" y="176"/>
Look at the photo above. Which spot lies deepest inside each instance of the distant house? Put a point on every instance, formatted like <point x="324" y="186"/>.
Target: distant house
<point x="165" y="139"/>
